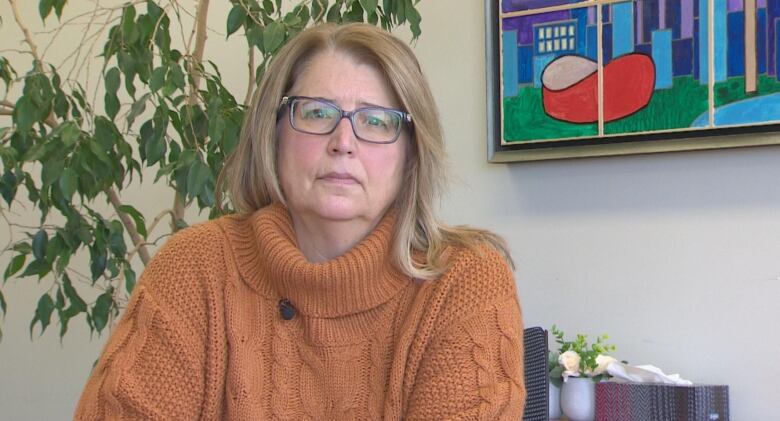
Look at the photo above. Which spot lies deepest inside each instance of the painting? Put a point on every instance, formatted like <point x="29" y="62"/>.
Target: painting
<point x="581" y="78"/>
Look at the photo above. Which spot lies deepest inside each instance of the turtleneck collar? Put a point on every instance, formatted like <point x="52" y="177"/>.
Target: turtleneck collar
<point x="269" y="260"/>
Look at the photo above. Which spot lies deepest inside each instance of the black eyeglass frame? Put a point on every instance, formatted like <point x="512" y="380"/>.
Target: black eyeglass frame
<point x="406" y="118"/>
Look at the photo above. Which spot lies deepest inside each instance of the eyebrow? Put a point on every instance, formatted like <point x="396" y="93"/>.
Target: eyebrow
<point x="361" y="104"/>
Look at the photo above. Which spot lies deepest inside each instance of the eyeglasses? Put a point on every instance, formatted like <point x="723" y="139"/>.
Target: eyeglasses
<point x="370" y="124"/>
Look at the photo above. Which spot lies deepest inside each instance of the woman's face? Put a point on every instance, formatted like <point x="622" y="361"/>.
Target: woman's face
<point x="337" y="177"/>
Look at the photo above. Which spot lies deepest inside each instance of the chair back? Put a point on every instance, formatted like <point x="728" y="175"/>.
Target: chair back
<point x="536" y="377"/>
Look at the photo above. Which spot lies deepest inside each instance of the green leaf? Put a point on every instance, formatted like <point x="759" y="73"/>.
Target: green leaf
<point x="318" y="7"/>
<point x="254" y="36"/>
<point x="334" y="14"/>
<point x="369" y="6"/>
<point x="155" y="149"/>
<point x="58" y="6"/>
<point x="129" y="279"/>
<point x="112" y="80"/>
<point x="40" y="241"/>
<point x="196" y="178"/>
<point x="97" y="265"/>
<point x="61" y="105"/>
<point x="273" y="36"/>
<point x="69" y="134"/>
<point x="44" y="8"/>
<point x="69" y="182"/>
<point x="54" y="247"/>
<point x="100" y="311"/>
<point x="414" y="19"/>
<point x="75" y="300"/>
<point x="158" y="78"/>
<point x="100" y="153"/>
<point x="236" y="18"/>
<point x="14" y="266"/>
<point x="37" y="267"/>
<point x="176" y="76"/>
<point x="128" y="23"/>
<point x="24" y="114"/>
<point x="302" y="11"/>
<point x="138" y="218"/>
<point x="42" y="313"/>
<point x="112" y="105"/>
<point x="292" y="19"/>
<point x="51" y="170"/>
<point x="137" y="108"/>
<point x="116" y="239"/>
<point x="3" y="307"/>
<point x="24" y="248"/>
<point x="8" y="186"/>
<point x="355" y="13"/>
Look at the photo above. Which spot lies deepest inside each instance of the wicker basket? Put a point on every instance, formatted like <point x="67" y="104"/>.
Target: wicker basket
<point x="661" y="402"/>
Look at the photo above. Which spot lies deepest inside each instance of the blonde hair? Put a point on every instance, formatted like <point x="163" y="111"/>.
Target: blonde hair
<point x="420" y="239"/>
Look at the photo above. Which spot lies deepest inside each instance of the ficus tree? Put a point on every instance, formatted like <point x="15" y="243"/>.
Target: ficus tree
<point x="164" y="113"/>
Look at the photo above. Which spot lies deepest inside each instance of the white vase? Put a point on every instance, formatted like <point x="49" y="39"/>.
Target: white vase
<point x="578" y="399"/>
<point x="555" y="402"/>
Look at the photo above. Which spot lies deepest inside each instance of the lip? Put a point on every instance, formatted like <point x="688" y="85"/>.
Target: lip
<point x="339" y="178"/>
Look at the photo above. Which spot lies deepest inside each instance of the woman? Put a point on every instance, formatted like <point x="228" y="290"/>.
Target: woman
<point x="335" y="293"/>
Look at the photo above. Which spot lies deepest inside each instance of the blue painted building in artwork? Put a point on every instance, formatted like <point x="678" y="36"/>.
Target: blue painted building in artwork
<point x="673" y="32"/>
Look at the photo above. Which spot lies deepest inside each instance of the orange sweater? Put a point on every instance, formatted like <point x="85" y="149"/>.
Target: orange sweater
<point x="203" y="336"/>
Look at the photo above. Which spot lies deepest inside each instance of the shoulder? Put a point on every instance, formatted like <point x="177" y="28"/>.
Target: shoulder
<point x="187" y="263"/>
<point x="477" y="278"/>
<point x="479" y="270"/>
<point x="194" y="244"/>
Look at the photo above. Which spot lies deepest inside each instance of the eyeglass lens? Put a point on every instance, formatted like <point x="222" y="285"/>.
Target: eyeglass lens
<point x="371" y="124"/>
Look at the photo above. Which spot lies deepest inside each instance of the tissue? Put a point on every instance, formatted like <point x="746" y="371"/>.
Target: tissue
<point x="643" y="374"/>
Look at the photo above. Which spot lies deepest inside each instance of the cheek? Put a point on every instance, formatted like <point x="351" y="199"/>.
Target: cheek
<point x="388" y="169"/>
<point x="289" y="160"/>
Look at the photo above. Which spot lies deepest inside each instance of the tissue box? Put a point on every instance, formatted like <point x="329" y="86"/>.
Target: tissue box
<point x="653" y="401"/>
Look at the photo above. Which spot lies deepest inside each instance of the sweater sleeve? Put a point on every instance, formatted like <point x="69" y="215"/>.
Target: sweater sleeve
<point x="473" y="367"/>
<point x="156" y="363"/>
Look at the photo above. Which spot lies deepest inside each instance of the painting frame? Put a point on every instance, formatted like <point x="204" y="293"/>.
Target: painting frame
<point x="601" y="145"/>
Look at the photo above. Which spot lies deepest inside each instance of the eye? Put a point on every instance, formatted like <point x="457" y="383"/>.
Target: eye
<point x="375" y="121"/>
<point x="317" y="112"/>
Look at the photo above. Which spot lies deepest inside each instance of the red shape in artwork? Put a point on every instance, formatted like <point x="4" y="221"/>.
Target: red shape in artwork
<point x="570" y="87"/>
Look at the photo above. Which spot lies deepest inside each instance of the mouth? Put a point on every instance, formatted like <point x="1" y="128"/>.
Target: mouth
<point x="339" y="178"/>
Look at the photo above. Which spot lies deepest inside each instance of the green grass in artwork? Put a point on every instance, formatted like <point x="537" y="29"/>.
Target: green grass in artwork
<point x="733" y="90"/>
<point x="524" y="119"/>
<point x="669" y="109"/>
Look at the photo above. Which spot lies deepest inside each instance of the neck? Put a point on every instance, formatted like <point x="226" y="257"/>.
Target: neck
<point x="321" y="240"/>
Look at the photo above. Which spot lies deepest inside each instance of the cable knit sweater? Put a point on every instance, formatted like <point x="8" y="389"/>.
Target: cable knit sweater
<point x="203" y="337"/>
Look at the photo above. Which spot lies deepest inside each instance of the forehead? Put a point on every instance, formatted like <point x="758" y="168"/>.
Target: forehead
<point x="342" y="78"/>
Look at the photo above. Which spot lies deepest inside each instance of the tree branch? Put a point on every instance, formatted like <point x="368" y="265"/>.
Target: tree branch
<point x="7" y="108"/>
<point x="50" y="120"/>
<point x="250" y="88"/>
<point x="113" y="197"/>
<point x="201" y="19"/>
<point x="27" y="37"/>
<point x="159" y="218"/>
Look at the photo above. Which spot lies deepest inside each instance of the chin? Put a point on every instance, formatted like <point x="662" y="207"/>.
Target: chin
<point x="339" y="211"/>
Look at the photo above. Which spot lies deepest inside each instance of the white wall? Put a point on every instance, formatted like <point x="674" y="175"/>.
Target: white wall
<point x="674" y="255"/>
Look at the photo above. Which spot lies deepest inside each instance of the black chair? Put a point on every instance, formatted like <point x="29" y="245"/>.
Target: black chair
<point x="536" y="378"/>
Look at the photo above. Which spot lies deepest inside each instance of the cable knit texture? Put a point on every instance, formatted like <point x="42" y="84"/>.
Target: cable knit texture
<point x="203" y="338"/>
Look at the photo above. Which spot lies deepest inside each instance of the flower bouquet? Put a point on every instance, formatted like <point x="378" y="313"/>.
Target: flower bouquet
<point x="584" y="363"/>
<point x="578" y="359"/>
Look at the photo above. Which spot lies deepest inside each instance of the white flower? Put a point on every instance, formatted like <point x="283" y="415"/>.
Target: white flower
<point x="603" y="362"/>
<point x="570" y="361"/>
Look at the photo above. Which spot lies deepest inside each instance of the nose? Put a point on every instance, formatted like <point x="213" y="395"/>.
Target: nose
<point x="342" y="140"/>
